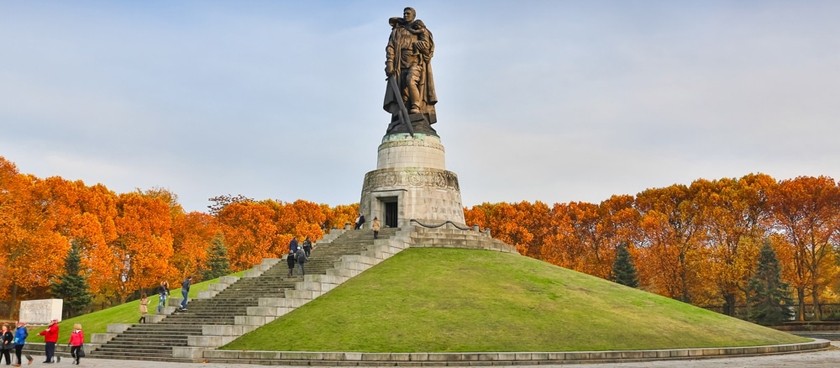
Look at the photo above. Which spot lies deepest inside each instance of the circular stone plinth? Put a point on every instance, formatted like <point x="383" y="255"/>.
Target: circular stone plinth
<point x="424" y="194"/>
<point x="403" y="150"/>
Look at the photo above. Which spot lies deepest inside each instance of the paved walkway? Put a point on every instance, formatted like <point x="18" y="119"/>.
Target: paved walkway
<point x="822" y="359"/>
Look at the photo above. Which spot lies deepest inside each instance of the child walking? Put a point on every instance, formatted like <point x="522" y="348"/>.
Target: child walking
<point x="144" y="307"/>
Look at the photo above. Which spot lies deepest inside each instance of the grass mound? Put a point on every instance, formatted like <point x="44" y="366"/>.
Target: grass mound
<point x="457" y="300"/>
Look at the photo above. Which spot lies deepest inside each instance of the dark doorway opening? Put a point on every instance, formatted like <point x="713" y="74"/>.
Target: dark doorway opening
<point x="391" y="214"/>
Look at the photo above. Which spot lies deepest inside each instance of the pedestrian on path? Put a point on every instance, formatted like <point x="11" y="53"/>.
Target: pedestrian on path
<point x="7" y="345"/>
<point x="77" y="341"/>
<point x="20" y="339"/>
<point x="50" y="338"/>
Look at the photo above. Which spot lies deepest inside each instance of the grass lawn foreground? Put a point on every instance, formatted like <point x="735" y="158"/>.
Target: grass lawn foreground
<point x="458" y="300"/>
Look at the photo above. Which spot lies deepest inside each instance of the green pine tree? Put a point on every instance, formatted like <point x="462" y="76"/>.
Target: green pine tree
<point x="71" y="286"/>
<point x="768" y="295"/>
<point x="624" y="272"/>
<point x="217" y="264"/>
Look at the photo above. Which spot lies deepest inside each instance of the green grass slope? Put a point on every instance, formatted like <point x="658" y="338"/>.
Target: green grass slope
<point x="457" y="300"/>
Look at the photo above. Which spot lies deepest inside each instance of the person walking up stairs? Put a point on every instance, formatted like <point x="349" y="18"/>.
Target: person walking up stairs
<point x="290" y="261"/>
<point x="301" y="258"/>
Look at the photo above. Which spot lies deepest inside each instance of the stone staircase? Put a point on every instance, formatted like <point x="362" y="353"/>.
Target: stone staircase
<point x="452" y="237"/>
<point x="236" y="306"/>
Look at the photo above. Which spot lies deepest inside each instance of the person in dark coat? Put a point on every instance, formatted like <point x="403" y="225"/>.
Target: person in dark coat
<point x="293" y="245"/>
<point x="307" y="246"/>
<point x="300" y="257"/>
<point x="360" y="221"/>
<point x="163" y="293"/>
<point x="290" y="261"/>
<point x="7" y="345"/>
<point x="185" y="292"/>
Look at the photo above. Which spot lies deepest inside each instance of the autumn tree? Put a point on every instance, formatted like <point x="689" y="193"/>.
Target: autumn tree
<point x="221" y="201"/>
<point x="17" y="220"/>
<point x="769" y="296"/>
<point x="506" y="221"/>
<point x="300" y="218"/>
<point x="31" y="248"/>
<point x="559" y="246"/>
<point x="143" y="248"/>
<point x="806" y="212"/>
<point x="192" y="236"/>
<point x="733" y="212"/>
<point x="250" y="233"/>
<point x="95" y="232"/>
<point x="670" y="225"/>
<point x="619" y="224"/>
<point x="336" y="217"/>
<point x="72" y="286"/>
<point x="594" y="257"/>
<point x="537" y="221"/>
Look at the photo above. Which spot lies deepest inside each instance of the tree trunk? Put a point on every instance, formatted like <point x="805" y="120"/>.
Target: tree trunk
<point x="13" y="303"/>
<point x="815" y="297"/>
<point x="686" y="298"/>
<point x="729" y="301"/>
<point x="800" y="296"/>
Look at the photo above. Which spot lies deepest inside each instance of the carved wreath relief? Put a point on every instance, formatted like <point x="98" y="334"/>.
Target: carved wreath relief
<point x="415" y="178"/>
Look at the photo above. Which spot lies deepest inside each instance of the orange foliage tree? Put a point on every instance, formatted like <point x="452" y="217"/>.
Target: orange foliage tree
<point x="670" y="226"/>
<point x="143" y="248"/>
<point x="733" y="211"/>
<point x="508" y="222"/>
<point x="192" y="235"/>
<point x="806" y="211"/>
<point x="250" y="233"/>
<point x="16" y="221"/>
<point x="34" y="250"/>
<point x="337" y="217"/>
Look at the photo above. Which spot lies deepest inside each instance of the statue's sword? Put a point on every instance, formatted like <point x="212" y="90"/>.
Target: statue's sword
<point x="403" y="113"/>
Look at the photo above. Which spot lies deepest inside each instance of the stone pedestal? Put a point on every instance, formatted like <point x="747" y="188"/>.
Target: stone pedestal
<point x="411" y="183"/>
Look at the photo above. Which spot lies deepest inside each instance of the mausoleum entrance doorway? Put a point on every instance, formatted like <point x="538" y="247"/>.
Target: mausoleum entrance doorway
<point x="391" y="219"/>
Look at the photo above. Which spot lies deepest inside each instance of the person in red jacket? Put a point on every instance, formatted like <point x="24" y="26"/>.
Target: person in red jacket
<point x="50" y="337"/>
<point x="77" y="340"/>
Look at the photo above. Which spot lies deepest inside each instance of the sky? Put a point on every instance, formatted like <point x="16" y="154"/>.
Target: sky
<point x="553" y="101"/>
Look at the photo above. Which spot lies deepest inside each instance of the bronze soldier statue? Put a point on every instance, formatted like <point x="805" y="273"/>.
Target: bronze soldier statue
<point x="410" y="96"/>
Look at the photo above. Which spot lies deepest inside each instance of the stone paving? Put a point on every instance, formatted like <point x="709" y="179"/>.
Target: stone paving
<point x="820" y="359"/>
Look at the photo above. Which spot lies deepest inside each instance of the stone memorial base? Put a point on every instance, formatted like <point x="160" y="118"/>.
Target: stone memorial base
<point x="41" y="312"/>
<point x="411" y="183"/>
